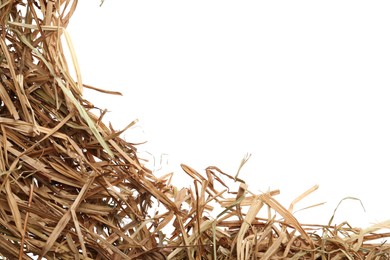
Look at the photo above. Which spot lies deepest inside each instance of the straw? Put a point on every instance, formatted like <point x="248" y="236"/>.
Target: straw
<point x="72" y="188"/>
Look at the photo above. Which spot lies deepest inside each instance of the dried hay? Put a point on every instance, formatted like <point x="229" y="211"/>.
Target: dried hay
<point x="71" y="188"/>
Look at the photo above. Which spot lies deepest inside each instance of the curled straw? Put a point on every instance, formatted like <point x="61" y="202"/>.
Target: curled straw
<point x="71" y="188"/>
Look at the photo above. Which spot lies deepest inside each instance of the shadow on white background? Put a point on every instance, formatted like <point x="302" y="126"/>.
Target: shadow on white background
<point x="302" y="86"/>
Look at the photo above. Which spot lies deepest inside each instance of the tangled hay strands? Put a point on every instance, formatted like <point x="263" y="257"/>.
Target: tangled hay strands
<point x="72" y="188"/>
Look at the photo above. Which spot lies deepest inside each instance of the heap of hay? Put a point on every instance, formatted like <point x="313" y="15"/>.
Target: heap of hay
<point x="71" y="188"/>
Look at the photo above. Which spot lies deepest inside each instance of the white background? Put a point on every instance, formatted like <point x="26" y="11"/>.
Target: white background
<point x="303" y="86"/>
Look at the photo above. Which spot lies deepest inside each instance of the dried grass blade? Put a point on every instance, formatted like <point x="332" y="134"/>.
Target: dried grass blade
<point x="286" y="215"/>
<point x="10" y="64"/>
<point x="8" y="103"/>
<point x="360" y="236"/>
<point x="78" y="231"/>
<point x="72" y="246"/>
<point x="251" y="215"/>
<point x="74" y="60"/>
<point x="242" y="163"/>
<point x="338" y="205"/>
<point x="25" y="103"/>
<point x="55" y="233"/>
<point x="14" y="207"/>
<point x="274" y="247"/>
<point x="84" y="114"/>
<point x="26" y="222"/>
<point x="35" y="27"/>
<point x="103" y="90"/>
<point x="302" y="196"/>
<point x="116" y="134"/>
<point x="309" y="207"/>
<point x="64" y="220"/>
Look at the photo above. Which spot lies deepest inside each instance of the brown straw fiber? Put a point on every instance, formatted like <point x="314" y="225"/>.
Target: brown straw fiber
<point x="72" y="188"/>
